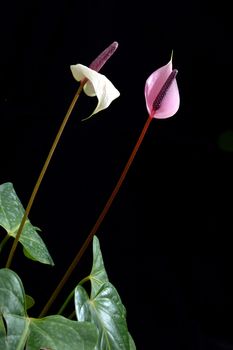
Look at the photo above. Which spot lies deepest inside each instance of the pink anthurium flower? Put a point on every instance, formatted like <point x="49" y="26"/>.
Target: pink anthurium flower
<point x="162" y="101"/>
<point x="161" y="92"/>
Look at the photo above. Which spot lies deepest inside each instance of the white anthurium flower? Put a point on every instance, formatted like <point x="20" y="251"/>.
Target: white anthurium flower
<point x="97" y="85"/>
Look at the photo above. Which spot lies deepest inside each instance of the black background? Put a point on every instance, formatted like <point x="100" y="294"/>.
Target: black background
<point x="166" y="241"/>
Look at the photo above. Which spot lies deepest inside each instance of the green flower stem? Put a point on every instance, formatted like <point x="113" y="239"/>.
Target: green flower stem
<point x="72" y="315"/>
<point x="71" y="295"/>
<point x="43" y="171"/>
<point x="3" y="242"/>
<point x="98" y="222"/>
<point x="66" y="302"/>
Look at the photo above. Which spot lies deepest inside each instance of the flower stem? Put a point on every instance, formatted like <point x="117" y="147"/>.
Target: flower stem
<point x="3" y="242"/>
<point x="98" y="222"/>
<point x="70" y="296"/>
<point x="72" y="315"/>
<point x="62" y="308"/>
<point x="42" y="173"/>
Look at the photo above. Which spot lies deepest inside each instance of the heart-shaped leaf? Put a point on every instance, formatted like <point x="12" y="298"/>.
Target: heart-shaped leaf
<point x="104" y="307"/>
<point x="12" y="311"/>
<point x="107" y="312"/>
<point x="11" y="214"/>
<point x="98" y="275"/>
<point x="17" y="330"/>
<point x="12" y="296"/>
<point x="52" y="332"/>
<point x="59" y="333"/>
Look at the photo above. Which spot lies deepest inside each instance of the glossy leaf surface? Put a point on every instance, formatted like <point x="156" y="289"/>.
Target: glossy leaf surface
<point x="18" y="331"/>
<point x="11" y="214"/>
<point x="103" y="307"/>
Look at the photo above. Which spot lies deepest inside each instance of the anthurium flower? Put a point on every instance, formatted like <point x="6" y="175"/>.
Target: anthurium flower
<point x="96" y="84"/>
<point x="162" y="101"/>
<point x="161" y="92"/>
<point x="103" y="57"/>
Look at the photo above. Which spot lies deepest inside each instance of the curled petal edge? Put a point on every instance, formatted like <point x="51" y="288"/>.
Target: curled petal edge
<point x="97" y="85"/>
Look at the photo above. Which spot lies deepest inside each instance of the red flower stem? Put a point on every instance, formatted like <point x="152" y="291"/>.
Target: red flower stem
<point x="98" y="222"/>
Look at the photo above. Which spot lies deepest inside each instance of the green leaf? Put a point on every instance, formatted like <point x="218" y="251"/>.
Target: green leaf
<point x="2" y="329"/>
<point x="12" y="296"/>
<point x="17" y="332"/>
<point x="104" y="307"/>
<point x="132" y="345"/>
<point x="11" y="214"/>
<point x="13" y="311"/>
<point x="59" y="333"/>
<point x="29" y="301"/>
<point x="98" y="275"/>
<point x="107" y="312"/>
<point x="2" y="334"/>
<point x="55" y="332"/>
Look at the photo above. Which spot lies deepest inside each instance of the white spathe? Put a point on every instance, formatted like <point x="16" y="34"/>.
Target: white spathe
<point x="97" y="85"/>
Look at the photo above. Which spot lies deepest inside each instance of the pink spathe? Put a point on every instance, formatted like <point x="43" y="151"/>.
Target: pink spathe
<point x="171" y="100"/>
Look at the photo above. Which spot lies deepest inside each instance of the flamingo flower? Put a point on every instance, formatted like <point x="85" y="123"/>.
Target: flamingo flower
<point x="162" y="101"/>
<point x="96" y="84"/>
<point x="161" y="92"/>
<point x="103" y="57"/>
